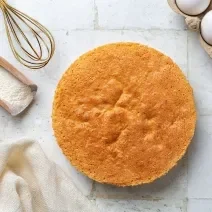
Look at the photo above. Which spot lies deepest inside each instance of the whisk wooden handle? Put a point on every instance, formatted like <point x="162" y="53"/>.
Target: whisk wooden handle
<point x="6" y="65"/>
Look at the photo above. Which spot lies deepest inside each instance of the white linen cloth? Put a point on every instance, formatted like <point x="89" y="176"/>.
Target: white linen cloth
<point x="30" y="182"/>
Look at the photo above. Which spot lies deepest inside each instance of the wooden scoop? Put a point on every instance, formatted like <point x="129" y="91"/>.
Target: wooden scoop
<point x="18" y="75"/>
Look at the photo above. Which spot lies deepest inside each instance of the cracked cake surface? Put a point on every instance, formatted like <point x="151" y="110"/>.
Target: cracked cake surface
<point x="124" y="114"/>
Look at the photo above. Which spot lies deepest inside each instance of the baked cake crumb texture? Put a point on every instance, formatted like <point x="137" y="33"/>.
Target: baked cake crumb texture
<point x="124" y="114"/>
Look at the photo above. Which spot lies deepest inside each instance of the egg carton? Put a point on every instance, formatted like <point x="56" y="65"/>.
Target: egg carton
<point x="194" y="23"/>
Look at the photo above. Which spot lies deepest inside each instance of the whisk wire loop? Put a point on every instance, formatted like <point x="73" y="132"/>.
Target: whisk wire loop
<point x="31" y="56"/>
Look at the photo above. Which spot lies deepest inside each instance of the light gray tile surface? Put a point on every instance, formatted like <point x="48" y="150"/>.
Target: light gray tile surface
<point x="200" y="205"/>
<point x="200" y="161"/>
<point x="36" y="123"/>
<point x="74" y="43"/>
<point x="81" y="25"/>
<point x="141" y="206"/>
<point x="71" y="44"/>
<point x="58" y="14"/>
<point x="137" y="14"/>
<point x="200" y="74"/>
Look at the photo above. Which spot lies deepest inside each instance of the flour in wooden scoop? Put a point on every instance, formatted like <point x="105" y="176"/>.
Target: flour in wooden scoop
<point x="15" y="94"/>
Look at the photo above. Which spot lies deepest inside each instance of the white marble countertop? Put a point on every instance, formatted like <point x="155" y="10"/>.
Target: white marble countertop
<point x="80" y="25"/>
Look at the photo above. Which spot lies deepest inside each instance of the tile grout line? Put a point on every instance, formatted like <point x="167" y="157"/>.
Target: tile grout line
<point x="209" y="199"/>
<point x="188" y="72"/>
<point x="97" y="28"/>
<point x="205" y="115"/>
<point x="187" y="158"/>
<point x="92" y="195"/>
<point x="96" y="16"/>
<point x="153" y="199"/>
<point x="185" y="205"/>
<point x="187" y="164"/>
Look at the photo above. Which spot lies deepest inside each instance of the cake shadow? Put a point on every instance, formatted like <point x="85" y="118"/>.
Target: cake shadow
<point x="172" y="185"/>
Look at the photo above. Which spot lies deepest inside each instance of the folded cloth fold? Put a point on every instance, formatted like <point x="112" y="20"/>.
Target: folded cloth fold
<point x="30" y="182"/>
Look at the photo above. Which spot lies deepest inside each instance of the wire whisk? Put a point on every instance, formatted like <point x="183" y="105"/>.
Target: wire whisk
<point x="33" y="50"/>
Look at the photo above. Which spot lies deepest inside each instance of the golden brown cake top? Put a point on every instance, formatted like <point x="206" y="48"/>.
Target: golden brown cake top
<point x="124" y="114"/>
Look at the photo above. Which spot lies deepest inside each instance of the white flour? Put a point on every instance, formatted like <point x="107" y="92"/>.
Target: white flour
<point x="14" y="93"/>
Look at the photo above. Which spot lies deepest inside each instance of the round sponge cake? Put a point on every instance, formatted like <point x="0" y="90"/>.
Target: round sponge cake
<point x="124" y="114"/>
